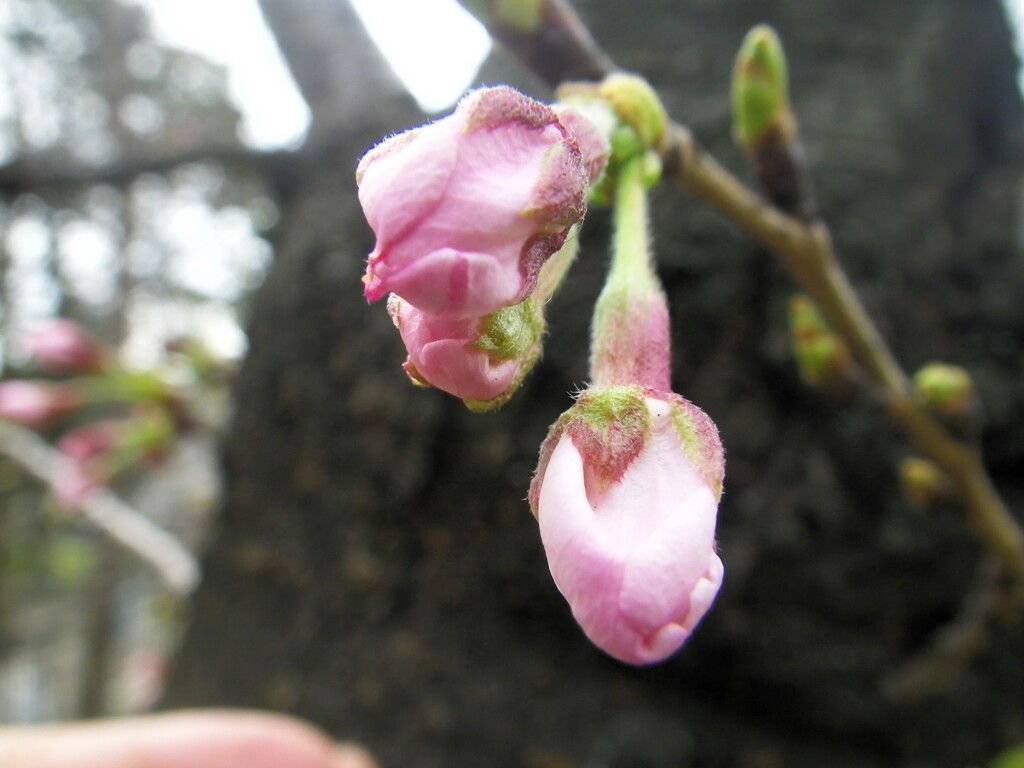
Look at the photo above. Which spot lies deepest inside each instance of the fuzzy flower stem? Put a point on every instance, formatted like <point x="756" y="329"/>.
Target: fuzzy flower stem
<point x="630" y="332"/>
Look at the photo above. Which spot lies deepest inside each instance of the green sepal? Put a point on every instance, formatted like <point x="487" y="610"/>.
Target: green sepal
<point x="638" y="106"/>
<point x="511" y="332"/>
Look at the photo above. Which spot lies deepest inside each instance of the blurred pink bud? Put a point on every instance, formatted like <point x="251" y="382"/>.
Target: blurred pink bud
<point x="467" y="209"/>
<point x="35" y="403"/>
<point x="62" y="346"/>
<point x="482" y="361"/>
<point x="74" y="484"/>
<point x="626" y="496"/>
<point x="89" y="441"/>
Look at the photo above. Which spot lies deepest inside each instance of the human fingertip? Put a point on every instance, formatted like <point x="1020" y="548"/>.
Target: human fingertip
<point x="348" y="755"/>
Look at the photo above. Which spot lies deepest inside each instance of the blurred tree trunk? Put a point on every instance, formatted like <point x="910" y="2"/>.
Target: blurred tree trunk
<point x="376" y="569"/>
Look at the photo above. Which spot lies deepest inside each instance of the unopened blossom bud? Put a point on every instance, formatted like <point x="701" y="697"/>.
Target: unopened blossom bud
<point x="62" y="346"/>
<point x="482" y="361"/>
<point x="467" y="209"/>
<point x="586" y="127"/>
<point x="97" y="453"/>
<point x="947" y="389"/>
<point x="35" y="403"/>
<point x="626" y="495"/>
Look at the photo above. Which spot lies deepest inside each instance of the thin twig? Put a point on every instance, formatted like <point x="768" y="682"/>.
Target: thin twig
<point x="938" y="665"/>
<point x="173" y="562"/>
<point x="806" y="250"/>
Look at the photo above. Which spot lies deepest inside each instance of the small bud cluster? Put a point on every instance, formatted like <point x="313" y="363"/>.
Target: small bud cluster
<point x="468" y="211"/>
<point x="90" y="385"/>
<point x="473" y="216"/>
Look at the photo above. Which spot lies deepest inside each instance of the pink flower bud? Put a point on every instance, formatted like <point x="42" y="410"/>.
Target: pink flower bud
<point x="593" y="145"/>
<point x="467" y="209"/>
<point x="90" y="441"/>
<point x="479" y="360"/>
<point x="626" y="496"/>
<point x="75" y="484"/>
<point x="35" y="403"/>
<point x="62" y="346"/>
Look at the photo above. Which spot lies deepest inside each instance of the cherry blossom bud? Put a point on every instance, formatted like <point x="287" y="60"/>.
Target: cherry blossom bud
<point x="90" y="441"/>
<point x="587" y="124"/>
<point x="467" y="209"/>
<point x="75" y="483"/>
<point x="99" y="452"/>
<point x="480" y="360"/>
<point x="35" y="403"/>
<point x="626" y="496"/>
<point x="62" y="346"/>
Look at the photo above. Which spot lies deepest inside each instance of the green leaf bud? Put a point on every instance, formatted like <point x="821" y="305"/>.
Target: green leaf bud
<point x="760" y="91"/>
<point x="946" y="389"/>
<point x="821" y="355"/>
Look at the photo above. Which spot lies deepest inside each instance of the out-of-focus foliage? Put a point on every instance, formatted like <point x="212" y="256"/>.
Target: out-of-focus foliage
<point x="123" y="207"/>
<point x="1011" y="758"/>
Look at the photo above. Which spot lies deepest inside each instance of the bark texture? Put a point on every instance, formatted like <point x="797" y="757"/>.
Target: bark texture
<point x="378" y="571"/>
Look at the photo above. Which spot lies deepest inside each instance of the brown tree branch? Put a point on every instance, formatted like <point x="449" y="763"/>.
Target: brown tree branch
<point x="550" y="38"/>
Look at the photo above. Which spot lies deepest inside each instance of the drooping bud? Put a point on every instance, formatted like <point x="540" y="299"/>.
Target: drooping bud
<point x="103" y="450"/>
<point x="62" y="346"/>
<point x="586" y="126"/>
<point x="821" y="354"/>
<point x="923" y="482"/>
<point x="482" y="361"/>
<point x="946" y="389"/>
<point x="467" y="209"/>
<point x="760" y="91"/>
<point x="92" y="440"/>
<point x="626" y="495"/>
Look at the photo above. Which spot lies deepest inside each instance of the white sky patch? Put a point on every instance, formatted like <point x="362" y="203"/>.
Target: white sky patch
<point x="1015" y="10"/>
<point x="434" y="46"/>
<point x="232" y="33"/>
